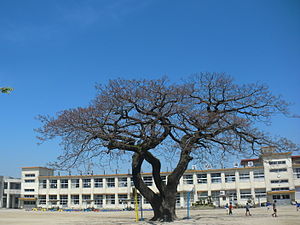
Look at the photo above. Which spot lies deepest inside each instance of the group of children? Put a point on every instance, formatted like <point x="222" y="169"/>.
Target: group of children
<point x="247" y="208"/>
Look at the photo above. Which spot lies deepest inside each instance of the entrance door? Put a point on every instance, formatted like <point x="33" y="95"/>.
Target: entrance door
<point x="29" y="204"/>
<point x="282" y="199"/>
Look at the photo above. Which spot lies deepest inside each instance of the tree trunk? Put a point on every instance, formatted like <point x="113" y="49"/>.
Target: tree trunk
<point x="164" y="202"/>
<point x="164" y="210"/>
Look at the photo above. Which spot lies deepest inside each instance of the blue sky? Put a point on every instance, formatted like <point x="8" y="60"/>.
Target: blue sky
<point x="54" y="52"/>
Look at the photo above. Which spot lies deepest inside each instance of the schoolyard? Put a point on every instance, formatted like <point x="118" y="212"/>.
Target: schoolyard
<point x="287" y="215"/>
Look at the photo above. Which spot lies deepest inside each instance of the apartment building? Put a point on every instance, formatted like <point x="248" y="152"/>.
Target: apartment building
<point x="10" y="192"/>
<point x="272" y="176"/>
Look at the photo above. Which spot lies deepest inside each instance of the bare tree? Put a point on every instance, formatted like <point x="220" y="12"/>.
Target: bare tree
<point x="207" y="113"/>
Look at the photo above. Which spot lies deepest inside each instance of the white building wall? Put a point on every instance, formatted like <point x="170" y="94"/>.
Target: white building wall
<point x="239" y="186"/>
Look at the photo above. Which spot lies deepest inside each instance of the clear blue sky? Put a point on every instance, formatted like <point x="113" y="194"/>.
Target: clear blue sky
<point x="53" y="52"/>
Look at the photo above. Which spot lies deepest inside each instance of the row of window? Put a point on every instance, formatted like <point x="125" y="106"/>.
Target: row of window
<point x="187" y="179"/>
<point x="30" y="181"/>
<point x="279" y="181"/>
<point x="11" y="185"/>
<point x="277" y="162"/>
<point x="229" y="177"/>
<point x="29" y="190"/>
<point x="29" y="175"/>
<point x="86" y="183"/>
<point x="281" y="189"/>
<point x="98" y="182"/>
<point x="232" y="194"/>
<point x="110" y="199"/>
<point x="278" y="170"/>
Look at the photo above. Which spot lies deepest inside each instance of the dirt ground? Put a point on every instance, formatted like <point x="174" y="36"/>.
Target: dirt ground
<point x="287" y="215"/>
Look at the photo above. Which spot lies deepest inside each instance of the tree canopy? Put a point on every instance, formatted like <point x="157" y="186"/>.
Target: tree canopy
<point x="206" y="113"/>
<point x="5" y="90"/>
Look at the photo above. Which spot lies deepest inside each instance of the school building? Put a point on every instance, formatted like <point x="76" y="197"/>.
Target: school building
<point x="10" y="192"/>
<point x="272" y="176"/>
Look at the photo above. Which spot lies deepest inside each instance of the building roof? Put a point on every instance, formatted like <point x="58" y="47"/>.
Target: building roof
<point x="36" y="167"/>
<point x="267" y="154"/>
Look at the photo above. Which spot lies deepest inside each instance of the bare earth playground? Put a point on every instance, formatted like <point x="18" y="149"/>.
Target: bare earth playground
<point x="287" y="215"/>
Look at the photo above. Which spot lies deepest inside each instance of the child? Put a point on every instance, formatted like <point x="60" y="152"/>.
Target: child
<point x="230" y="209"/>
<point x="268" y="205"/>
<point x="274" y="209"/>
<point x="297" y="206"/>
<point x="247" y="210"/>
<point x="226" y="207"/>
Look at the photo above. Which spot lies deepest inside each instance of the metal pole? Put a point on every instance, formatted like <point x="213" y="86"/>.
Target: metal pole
<point x="141" y="202"/>
<point x="136" y="206"/>
<point x="188" y="205"/>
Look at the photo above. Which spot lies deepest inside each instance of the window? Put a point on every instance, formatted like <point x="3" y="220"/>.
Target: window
<point x="43" y="184"/>
<point x="42" y="199"/>
<point x="279" y="181"/>
<point x="231" y="195"/>
<point x="63" y="200"/>
<point x="285" y="196"/>
<point x="98" y="182"/>
<point x="215" y="195"/>
<point x="110" y="199"/>
<point x="131" y="182"/>
<point x="244" y="176"/>
<point x="202" y="178"/>
<point x="296" y="173"/>
<point x="260" y="193"/>
<point x="202" y="195"/>
<point x="30" y="175"/>
<point x="5" y="185"/>
<point x="148" y="180"/>
<point x="53" y="199"/>
<point x="75" y="183"/>
<point x="281" y="197"/>
<point x="64" y="183"/>
<point x="86" y="198"/>
<point x="258" y="175"/>
<point x="138" y="199"/>
<point x="276" y="197"/>
<point x="281" y="189"/>
<point x="29" y="190"/>
<point x="229" y="178"/>
<point x="277" y="162"/>
<point x="278" y="170"/>
<point x="15" y="186"/>
<point x="86" y="183"/>
<point x="110" y="182"/>
<point x="246" y="194"/>
<point x="29" y="181"/>
<point x="122" y="181"/>
<point x="29" y="202"/>
<point x="28" y="196"/>
<point x="53" y="183"/>
<point x="187" y="179"/>
<point x="216" y="177"/>
<point x="122" y="198"/>
<point x="98" y="200"/>
<point x="75" y="199"/>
